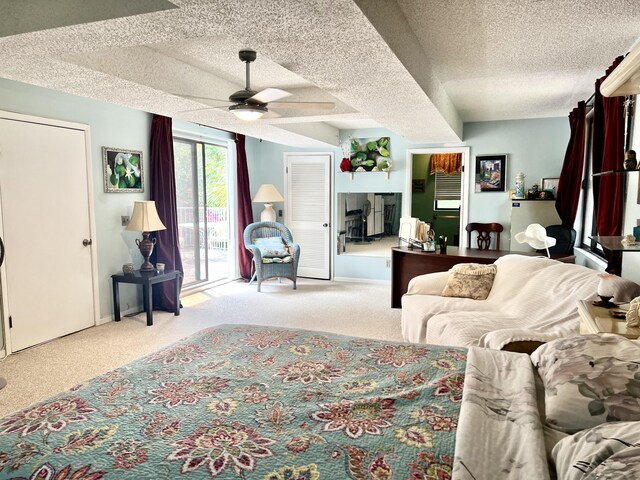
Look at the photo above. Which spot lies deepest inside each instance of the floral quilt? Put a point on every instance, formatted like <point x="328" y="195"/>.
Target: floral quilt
<point x="250" y="402"/>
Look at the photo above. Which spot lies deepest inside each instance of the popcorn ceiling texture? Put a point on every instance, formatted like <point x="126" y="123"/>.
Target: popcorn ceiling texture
<point x="419" y="68"/>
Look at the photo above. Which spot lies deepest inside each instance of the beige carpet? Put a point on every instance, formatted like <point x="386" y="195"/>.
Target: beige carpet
<point x="345" y="308"/>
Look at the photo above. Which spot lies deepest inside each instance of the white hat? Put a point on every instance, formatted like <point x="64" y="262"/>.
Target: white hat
<point x="536" y="236"/>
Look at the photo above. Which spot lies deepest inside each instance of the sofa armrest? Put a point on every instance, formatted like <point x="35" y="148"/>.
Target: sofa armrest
<point x="428" y="284"/>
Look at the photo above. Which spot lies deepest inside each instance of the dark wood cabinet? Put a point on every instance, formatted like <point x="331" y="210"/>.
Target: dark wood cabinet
<point x="407" y="263"/>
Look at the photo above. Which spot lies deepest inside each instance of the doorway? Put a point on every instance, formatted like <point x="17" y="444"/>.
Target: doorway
<point x="441" y="200"/>
<point x="308" y="210"/>
<point x="202" y="193"/>
<point x="48" y="276"/>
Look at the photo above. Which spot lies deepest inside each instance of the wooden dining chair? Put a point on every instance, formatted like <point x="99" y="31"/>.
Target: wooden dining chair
<point x="484" y="234"/>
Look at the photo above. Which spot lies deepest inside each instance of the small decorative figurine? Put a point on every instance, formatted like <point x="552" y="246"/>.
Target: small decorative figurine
<point x="630" y="162"/>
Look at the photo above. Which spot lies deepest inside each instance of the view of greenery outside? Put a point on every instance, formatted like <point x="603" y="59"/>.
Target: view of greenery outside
<point x="201" y="191"/>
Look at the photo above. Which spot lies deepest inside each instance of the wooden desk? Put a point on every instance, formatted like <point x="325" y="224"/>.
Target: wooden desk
<point x="147" y="280"/>
<point x="597" y="320"/>
<point x="407" y="263"/>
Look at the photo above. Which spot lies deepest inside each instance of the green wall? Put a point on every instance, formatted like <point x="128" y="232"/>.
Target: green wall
<point x="422" y="204"/>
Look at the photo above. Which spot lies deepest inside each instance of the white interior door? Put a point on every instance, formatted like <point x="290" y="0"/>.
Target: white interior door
<point x="45" y="218"/>
<point x="308" y="211"/>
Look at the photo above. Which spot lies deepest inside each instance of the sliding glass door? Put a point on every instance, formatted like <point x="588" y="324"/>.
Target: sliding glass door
<point x="203" y="212"/>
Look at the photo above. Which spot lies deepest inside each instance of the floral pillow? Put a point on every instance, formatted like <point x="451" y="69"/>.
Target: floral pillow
<point x="272" y="247"/>
<point x="588" y="380"/>
<point x="470" y="280"/>
<point x="610" y="450"/>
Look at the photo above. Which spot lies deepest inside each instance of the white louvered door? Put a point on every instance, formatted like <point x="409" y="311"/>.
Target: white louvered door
<point x="308" y="211"/>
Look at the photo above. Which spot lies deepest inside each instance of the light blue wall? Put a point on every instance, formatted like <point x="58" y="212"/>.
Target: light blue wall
<point x="111" y="126"/>
<point x="535" y="147"/>
<point x="265" y="161"/>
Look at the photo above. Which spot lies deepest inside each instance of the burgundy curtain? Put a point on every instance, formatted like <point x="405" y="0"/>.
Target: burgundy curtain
<point x="570" y="182"/>
<point x="163" y="191"/>
<point x="608" y="154"/>
<point x="245" y="212"/>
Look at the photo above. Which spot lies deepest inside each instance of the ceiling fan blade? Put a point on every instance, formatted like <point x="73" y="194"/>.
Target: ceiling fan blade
<point x="201" y="109"/>
<point x="195" y="97"/>
<point x="269" y="95"/>
<point x="310" y="105"/>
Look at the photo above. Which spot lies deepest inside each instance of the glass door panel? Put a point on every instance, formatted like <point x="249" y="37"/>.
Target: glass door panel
<point x="201" y="191"/>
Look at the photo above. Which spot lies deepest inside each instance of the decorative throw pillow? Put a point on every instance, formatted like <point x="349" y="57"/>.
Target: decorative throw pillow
<point x="470" y="280"/>
<point x="610" y="450"/>
<point x="272" y="247"/>
<point x="588" y="380"/>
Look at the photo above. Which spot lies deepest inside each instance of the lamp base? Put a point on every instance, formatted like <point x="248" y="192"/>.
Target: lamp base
<point x="268" y="214"/>
<point x="146" y="248"/>
<point x="604" y="302"/>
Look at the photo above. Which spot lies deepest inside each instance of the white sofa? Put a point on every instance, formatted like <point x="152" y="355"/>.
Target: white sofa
<point x="532" y="299"/>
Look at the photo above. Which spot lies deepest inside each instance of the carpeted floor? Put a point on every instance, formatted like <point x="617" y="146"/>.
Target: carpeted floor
<point x="344" y="308"/>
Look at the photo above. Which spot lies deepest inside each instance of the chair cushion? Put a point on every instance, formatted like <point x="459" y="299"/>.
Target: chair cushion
<point x="470" y="280"/>
<point x="287" y="259"/>
<point x="272" y="247"/>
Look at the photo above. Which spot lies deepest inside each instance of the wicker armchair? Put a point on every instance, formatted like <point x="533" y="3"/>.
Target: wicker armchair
<point x="263" y="270"/>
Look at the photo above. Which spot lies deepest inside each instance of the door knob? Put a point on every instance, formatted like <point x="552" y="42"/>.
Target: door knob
<point x="86" y="242"/>
<point x="325" y="224"/>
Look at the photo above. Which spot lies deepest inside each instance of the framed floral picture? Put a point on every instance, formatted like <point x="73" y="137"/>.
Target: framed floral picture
<point x="490" y="173"/>
<point x="123" y="170"/>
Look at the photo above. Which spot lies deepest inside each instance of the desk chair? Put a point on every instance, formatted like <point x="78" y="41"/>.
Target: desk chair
<point x="484" y="234"/>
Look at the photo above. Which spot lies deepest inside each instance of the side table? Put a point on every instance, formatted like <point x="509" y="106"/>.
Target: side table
<point x="597" y="320"/>
<point x="147" y="280"/>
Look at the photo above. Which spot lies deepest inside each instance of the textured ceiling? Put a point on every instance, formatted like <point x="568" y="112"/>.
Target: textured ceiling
<point x="418" y="68"/>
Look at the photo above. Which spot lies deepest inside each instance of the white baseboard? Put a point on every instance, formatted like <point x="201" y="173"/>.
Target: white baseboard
<point x="109" y="318"/>
<point x="362" y="280"/>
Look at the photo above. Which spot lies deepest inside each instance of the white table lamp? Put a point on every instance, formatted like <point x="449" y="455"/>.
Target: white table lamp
<point x="145" y="219"/>
<point x="268" y="194"/>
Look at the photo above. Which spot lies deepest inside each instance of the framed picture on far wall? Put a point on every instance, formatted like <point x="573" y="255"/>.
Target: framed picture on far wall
<point x="550" y="184"/>
<point x="490" y="173"/>
<point x="122" y="170"/>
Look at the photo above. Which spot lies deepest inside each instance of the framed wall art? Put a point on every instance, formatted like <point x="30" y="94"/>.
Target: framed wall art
<point x="490" y="173"/>
<point x="123" y="170"/>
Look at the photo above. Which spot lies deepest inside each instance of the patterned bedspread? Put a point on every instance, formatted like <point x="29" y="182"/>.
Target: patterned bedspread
<point x="250" y="402"/>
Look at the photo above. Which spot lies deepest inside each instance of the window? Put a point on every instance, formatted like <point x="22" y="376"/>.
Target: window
<point x="203" y="212"/>
<point x="447" y="191"/>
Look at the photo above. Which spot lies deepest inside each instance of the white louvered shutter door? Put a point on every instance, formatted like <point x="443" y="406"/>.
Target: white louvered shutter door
<point x="308" y="201"/>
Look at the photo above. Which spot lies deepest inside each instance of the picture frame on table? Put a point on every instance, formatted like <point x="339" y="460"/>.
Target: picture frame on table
<point x="123" y="170"/>
<point x="550" y="184"/>
<point x="491" y="172"/>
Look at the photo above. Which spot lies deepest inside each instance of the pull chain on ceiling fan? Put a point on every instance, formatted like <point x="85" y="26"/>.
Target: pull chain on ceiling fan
<point x="250" y="105"/>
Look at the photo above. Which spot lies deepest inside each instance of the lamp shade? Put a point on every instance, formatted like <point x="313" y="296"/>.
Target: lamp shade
<point x="145" y="218"/>
<point x="267" y="193"/>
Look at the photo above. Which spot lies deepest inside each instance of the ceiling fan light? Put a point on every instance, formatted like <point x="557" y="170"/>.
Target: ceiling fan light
<point x="248" y="112"/>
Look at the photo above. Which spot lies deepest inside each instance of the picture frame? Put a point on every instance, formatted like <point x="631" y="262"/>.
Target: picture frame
<point x="418" y="185"/>
<point x="491" y="173"/>
<point x="550" y="184"/>
<point x="123" y="170"/>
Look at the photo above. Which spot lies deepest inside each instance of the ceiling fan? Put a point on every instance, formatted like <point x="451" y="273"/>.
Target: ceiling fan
<point x="250" y="105"/>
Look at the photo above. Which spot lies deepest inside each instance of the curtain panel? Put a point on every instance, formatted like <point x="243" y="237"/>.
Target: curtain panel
<point x="163" y="191"/>
<point x="245" y="211"/>
<point x="570" y="183"/>
<point x="447" y="163"/>
<point x="608" y="154"/>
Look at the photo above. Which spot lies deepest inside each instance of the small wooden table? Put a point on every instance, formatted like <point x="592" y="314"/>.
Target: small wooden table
<point x="147" y="280"/>
<point x="597" y="320"/>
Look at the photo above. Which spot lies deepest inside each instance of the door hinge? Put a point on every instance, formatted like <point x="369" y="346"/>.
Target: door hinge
<point x="286" y="169"/>
<point x="10" y="322"/>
